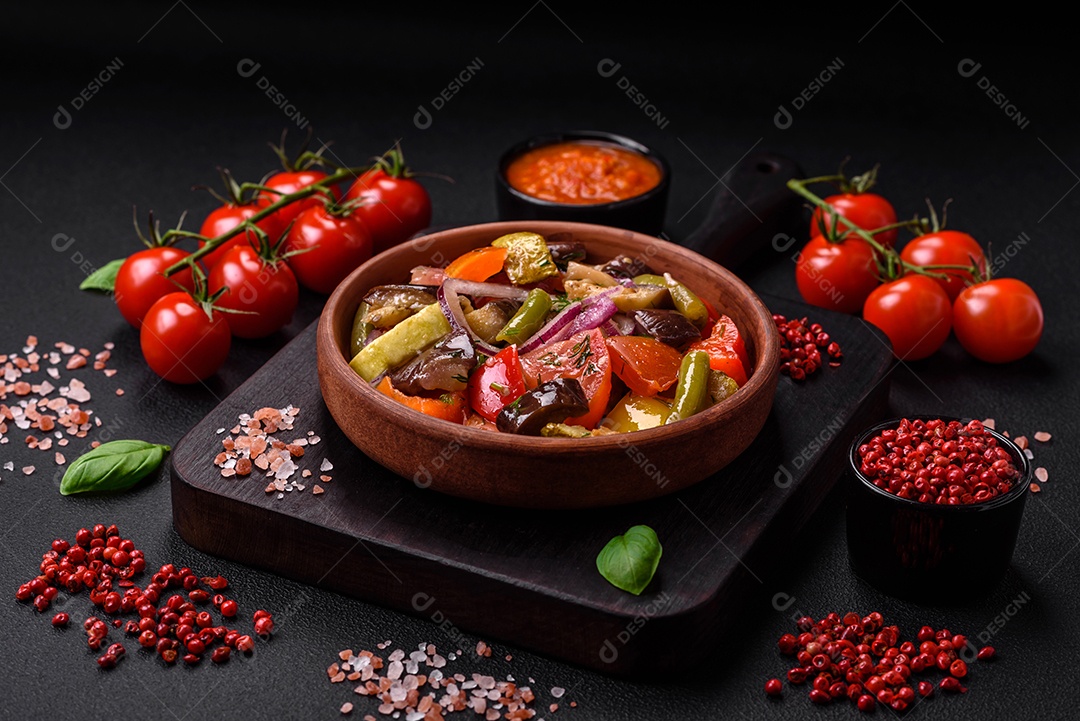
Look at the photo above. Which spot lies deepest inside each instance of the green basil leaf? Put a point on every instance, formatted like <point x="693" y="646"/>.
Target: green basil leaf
<point x="629" y="561"/>
<point x="112" y="466"/>
<point x="104" y="278"/>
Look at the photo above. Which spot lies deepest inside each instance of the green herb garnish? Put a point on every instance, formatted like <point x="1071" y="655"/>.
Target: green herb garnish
<point x="104" y="278"/>
<point x="112" y="466"/>
<point x="629" y="561"/>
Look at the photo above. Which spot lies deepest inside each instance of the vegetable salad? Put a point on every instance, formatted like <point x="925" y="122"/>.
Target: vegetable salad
<point x="528" y="336"/>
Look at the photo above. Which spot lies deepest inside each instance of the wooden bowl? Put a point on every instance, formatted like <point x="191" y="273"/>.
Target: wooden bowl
<point x="550" y="473"/>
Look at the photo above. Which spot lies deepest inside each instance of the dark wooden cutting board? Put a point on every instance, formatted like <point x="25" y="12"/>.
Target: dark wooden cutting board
<point x="525" y="577"/>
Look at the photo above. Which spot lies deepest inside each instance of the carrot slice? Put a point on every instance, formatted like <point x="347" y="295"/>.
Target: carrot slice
<point x="450" y="406"/>
<point x="477" y="265"/>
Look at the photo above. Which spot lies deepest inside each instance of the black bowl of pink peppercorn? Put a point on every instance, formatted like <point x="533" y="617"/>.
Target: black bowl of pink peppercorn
<point x="934" y="507"/>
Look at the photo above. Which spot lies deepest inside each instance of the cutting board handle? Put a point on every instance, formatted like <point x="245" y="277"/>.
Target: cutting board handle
<point x="752" y="207"/>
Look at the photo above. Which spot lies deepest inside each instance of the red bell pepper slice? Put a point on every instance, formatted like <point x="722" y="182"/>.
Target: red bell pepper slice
<point x="497" y="383"/>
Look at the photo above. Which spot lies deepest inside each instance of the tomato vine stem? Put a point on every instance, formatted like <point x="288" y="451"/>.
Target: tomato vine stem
<point x="892" y="260"/>
<point x="211" y="244"/>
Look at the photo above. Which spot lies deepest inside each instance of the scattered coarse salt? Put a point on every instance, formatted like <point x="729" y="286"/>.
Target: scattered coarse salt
<point x="60" y="460"/>
<point x="1041" y="474"/>
<point x="316" y="490"/>
<point x="346" y="707"/>
<point x="1028" y="454"/>
<point x="420" y="697"/>
<point x="1021" y="442"/>
<point x="119" y="391"/>
<point x="989" y="423"/>
<point x="557" y="691"/>
<point x="251" y="444"/>
<point x="1042" y="436"/>
<point x="326" y="465"/>
<point x="27" y="470"/>
<point x="1035" y="488"/>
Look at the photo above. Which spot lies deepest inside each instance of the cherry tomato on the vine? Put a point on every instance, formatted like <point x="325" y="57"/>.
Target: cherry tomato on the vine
<point x="182" y="341"/>
<point x="141" y="281"/>
<point x="946" y="247"/>
<point x="869" y="211"/>
<point x="395" y="205"/>
<point x="325" y="245"/>
<point x="290" y="181"/>
<point x="265" y="293"/>
<point x="838" y="276"/>
<point x="914" y="312"/>
<point x="999" y="320"/>
<point x="228" y="216"/>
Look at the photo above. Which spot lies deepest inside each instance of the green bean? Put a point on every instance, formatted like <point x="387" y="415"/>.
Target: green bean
<point x="360" y="328"/>
<point x="529" y="318"/>
<point x="692" y="391"/>
<point x="685" y="300"/>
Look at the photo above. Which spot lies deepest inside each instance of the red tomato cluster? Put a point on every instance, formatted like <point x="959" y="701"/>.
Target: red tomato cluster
<point x="248" y="286"/>
<point x="936" y="284"/>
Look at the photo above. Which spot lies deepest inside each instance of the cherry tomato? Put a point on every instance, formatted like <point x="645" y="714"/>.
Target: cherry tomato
<point x="333" y="246"/>
<point x="395" y="208"/>
<point x="998" y="321"/>
<point x="265" y="293"/>
<point x="290" y="181"/>
<point x="838" y="276"/>
<point x="946" y="247"/>
<point x="225" y="218"/>
<point x="181" y="342"/>
<point x="869" y="211"/>
<point x="914" y="312"/>
<point x="141" y="281"/>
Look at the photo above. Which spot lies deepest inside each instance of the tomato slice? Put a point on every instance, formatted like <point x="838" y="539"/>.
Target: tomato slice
<point x="646" y="365"/>
<point x="477" y="265"/>
<point x="496" y="383"/>
<point x="583" y="356"/>
<point x="726" y="349"/>
<point x="450" y="406"/>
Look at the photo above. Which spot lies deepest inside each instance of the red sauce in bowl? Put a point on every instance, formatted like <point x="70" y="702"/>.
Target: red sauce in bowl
<point x="582" y="173"/>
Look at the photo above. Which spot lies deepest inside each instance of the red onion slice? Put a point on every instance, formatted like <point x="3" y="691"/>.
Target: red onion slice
<point x="484" y="290"/>
<point x="596" y="311"/>
<point x="450" y="304"/>
<point x="554" y="329"/>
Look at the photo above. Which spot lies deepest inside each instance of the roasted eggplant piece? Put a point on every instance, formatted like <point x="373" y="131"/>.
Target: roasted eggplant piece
<point x="388" y="305"/>
<point x="488" y="320"/>
<point x="551" y="402"/>
<point x="564" y="251"/>
<point x="444" y="366"/>
<point x="624" y="266"/>
<point x="667" y="326"/>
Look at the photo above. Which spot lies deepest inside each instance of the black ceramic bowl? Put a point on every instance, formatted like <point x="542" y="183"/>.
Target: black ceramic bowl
<point x="929" y="552"/>
<point x="642" y="213"/>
